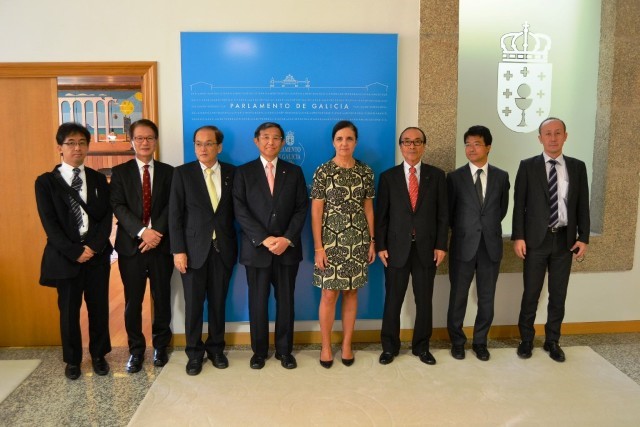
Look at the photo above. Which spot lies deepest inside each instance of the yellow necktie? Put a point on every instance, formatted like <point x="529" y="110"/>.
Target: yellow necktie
<point x="213" y="194"/>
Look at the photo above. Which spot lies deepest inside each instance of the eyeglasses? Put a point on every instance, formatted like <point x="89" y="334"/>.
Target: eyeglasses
<point x="74" y="144"/>
<point x="474" y="145"/>
<point x="141" y="139"/>
<point x="416" y="142"/>
<point x="207" y="144"/>
<point x="270" y="137"/>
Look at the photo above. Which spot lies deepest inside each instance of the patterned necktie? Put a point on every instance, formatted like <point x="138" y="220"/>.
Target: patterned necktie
<point x="76" y="184"/>
<point x="146" y="196"/>
<point x="270" y="178"/>
<point x="479" y="186"/>
<point x="413" y="187"/>
<point x="553" y="194"/>
<point x="213" y="194"/>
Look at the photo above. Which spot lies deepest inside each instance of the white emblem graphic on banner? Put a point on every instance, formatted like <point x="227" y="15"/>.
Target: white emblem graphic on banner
<point x="524" y="80"/>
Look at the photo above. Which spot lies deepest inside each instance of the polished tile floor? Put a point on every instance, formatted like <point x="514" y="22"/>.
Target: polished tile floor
<point x="47" y="398"/>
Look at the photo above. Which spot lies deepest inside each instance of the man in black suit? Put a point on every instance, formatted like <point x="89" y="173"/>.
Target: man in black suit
<point x="140" y="201"/>
<point x="73" y="204"/>
<point x="551" y="225"/>
<point x="411" y="224"/>
<point x="478" y="196"/>
<point x="204" y="244"/>
<point x="270" y="197"/>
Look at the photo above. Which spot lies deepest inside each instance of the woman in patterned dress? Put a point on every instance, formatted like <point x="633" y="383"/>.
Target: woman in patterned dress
<point x="342" y="225"/>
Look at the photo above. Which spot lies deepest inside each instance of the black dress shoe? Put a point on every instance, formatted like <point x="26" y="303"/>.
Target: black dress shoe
<point x="194" y="367"/>
<point x="287" y="361"/>
<point x="481" y="352"/>
<point x="72" y="371"/>
<point x="219" y="360"/>
<point x="326" y="363"/>
<point x="426" y="357"/>
<point x="457" y="351"/>
<point x="524" y="349"/>
<point x="555" y="352"/>
<point x="160" y="357"/>
<point x="348" y="362"/>
<point x="100" y="365"/>
<point x="256" y="362"/>
<point x="135" y="363"/>
<point x="387" y="357"/>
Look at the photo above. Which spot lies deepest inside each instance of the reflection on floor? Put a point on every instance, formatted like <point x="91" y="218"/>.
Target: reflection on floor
<point x="48" y="398"/>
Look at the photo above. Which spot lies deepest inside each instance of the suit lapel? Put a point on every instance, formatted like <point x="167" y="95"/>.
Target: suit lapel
<point x="225" y="184"/>
<point x="280" y="178"/>
<point x="491" y="184"/>
<point x="425" y="183"/>
<point x="540" y="170"/>
<point x="134" y="177"/>
<point x="469" y="185"/>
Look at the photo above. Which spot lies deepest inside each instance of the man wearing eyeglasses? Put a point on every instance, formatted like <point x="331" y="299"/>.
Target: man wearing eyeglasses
<point x="270" y="197"/>
<point x="478" y="196"/>
<point x="140" y="201"/>
<point x="411" y="225"/>
<point x="73" y="204"/>
<point x="204" y="245"/>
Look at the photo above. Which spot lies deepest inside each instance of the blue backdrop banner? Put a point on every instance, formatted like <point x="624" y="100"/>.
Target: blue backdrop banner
<point x="306" y="82"/>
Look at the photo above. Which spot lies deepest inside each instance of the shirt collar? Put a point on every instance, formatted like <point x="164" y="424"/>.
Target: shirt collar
<point x="264" y="161"/>
<point x="214" y="168"/>
<point x="559" y="159"/>
<point x="407" y="166"/>
<point x="474" y="168"/>
<point x="141" y="164"/>
<point x="68" y="168"/>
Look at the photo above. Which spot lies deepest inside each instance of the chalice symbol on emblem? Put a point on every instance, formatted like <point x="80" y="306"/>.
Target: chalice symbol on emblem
<point x="523" y="102"/>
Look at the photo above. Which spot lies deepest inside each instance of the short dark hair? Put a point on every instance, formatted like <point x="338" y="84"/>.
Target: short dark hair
<point x="342" y="125"/>
<point x="424" y="137"/>
<point x="479" y="130"/>
<point x="146" y="123"/>
<point x="216" y="131"/>
<point x="548" y="119"/>
<point x="267" y="125"/>
<point x="69" y="128"/>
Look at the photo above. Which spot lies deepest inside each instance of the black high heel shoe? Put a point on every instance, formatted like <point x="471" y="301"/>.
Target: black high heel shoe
<point x="326" y="363"/>
<point x="348" y="362"/>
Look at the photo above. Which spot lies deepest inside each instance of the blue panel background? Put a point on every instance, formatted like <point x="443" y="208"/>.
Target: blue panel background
<point x="306" y="82"/>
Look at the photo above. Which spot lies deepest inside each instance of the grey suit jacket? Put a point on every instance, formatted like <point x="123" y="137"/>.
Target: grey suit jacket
<point x="469" y="220"/>
<point x="531" y="207"/>
<point x="261" y="214"/>
<point x="126" y="200"/>
<point x="192" y="219"/>
<point x="395" y="221"/>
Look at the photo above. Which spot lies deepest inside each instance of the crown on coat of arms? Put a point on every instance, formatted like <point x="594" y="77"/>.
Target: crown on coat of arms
<point x="525" y="46"/>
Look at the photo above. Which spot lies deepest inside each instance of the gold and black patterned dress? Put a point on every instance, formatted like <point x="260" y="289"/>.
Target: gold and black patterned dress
<point x="345" y="232"/>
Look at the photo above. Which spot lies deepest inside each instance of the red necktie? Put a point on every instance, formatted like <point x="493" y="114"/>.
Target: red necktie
<point x="146" y="196"/>
<point x="413" y="187"/>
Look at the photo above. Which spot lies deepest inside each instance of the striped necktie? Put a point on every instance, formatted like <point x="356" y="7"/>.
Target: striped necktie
<point x="553" y="194"/>
<point x="76" y="184"/>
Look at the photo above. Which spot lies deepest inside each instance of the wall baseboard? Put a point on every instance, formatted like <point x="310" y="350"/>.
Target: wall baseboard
<point x="496" y="332"/>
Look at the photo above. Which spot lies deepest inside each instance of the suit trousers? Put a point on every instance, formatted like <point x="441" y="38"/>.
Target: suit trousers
<point x="460" y="275"/>
<point x="93" y="283"/>
<point x="134" y="271"/>
<point x="210" y="281"/>
<point x="553" y="256"/>
<point x="396" y="283"/>
<point x="283" y="278"/>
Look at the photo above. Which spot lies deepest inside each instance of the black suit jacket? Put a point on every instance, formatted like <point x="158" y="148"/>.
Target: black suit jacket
<point x="192" y="219"/>
<point x="469" y="220"/>
<point x="531" y="207"/>
<point x="262" y="215"/>
<point x="63" y="237"/>
<point x="395" y="220"/>
<point x="126" y="200"/>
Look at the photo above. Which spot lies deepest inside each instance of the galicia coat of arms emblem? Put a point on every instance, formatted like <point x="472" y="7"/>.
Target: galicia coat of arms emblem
<point x="524" y="80"/>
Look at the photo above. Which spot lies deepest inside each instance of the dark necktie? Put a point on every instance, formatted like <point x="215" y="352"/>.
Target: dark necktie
<point x="76" y="184"/>
<point x="413" y="187"/>
<point x="553" y="194"/>
<point x="146" y="196"/>
<point x="479" y="186"/>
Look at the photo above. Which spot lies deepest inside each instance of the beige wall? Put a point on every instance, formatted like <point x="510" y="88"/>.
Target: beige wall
<point x="142" y="31"/>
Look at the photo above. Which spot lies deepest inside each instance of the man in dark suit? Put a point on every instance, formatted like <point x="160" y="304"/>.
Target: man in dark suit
<point x="270" y="197"/>
<point x="551" y="225"/>
<point x="411" y="224"/>
<point x="204" y="244"/>
<point x="73" y="204"/>
<point x="140" y="201"/>
<point x="478" y="196"/>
